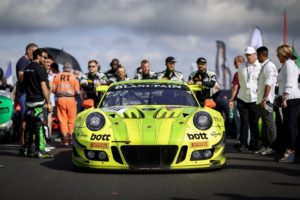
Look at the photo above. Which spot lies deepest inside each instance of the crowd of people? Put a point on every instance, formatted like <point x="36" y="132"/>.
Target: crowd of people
<point x="42" y="90"/>
<point x="255" y="96"/>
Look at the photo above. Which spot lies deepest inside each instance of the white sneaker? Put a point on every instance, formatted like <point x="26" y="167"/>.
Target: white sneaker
<point x="262" y="149"/>
<point x="44" y="155"/>
<point x="268" y="151"/>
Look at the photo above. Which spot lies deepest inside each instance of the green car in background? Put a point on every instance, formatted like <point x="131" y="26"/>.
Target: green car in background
<point x="6" y="114"/>
<point x="149" y="125"/>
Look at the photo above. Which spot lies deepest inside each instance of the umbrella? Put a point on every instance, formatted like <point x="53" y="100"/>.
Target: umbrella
<point x="62" y="57"/>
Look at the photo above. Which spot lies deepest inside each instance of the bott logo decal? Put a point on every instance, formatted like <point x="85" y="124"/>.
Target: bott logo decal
<point x="104" y="137"/>
<point x="197" y="136"/>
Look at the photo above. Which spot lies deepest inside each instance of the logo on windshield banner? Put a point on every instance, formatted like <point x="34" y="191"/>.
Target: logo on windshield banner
<point x="159" y="86"/>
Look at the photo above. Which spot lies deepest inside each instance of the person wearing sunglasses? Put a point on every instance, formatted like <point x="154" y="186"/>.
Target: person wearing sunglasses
<point x="91" y="80"/>
<point x="37" y="104"/>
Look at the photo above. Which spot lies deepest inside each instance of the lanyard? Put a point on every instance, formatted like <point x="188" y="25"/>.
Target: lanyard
<point x="248" y="73"/>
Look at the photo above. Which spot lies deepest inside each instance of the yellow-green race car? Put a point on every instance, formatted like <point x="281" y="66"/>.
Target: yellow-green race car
<point x="149" y="125"/>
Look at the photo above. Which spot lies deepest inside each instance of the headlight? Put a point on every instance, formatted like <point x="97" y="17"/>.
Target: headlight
<point x="95" y="121"/>
<point x="202" y="120"/>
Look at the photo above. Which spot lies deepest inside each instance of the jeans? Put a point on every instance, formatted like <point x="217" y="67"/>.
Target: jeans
<point x="269" y="131"/>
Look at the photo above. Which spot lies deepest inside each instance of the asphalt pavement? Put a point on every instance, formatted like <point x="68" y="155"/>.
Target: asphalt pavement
<point x="246" y="176"/>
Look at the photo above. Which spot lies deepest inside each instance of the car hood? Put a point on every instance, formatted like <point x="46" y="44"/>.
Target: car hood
<point x="141" y="125"/>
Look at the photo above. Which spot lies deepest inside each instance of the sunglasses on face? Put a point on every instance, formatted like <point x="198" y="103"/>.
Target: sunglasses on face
<point x="45" y="57"/>
<point x="91" y="66"/>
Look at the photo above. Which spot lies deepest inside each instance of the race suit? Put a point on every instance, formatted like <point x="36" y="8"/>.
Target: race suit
<point x="140" y="76"/>
<point x="89" y="83"/>
<point x="36" y="117"/>
<point x="208" y="80"/>
<point x="170" y="75"/>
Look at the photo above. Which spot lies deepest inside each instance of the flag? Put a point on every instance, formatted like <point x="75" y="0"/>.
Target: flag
<point x="284" y="27"/>
<point x="222" y="70"/>
<point x="297" y="58"/>
<point x="256" y="40"/>
<point x="9" y="75"/>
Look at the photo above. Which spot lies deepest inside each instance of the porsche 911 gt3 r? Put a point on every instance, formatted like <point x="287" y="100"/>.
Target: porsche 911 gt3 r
<point x="149" y="125"/>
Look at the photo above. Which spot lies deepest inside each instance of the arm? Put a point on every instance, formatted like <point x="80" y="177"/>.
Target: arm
<point x="54" y="84"/>
<point x="46" y="95"/>
<point x="190" y="80"/>
<point x="209" y="82"/>
<point x="136" y="76"/>
<point x="265" y="96"/>
<point x="103" y="79"/>
<point x="21" y="76"/>
<point x="86" y="86"/>
<point x="234" y="91"/>
<point x="271" y="78"/>
<point x="78" y="95"/>
<point x="84" y="83"/>
<point x="289" y="73"/>
<point x="288" y="70"/>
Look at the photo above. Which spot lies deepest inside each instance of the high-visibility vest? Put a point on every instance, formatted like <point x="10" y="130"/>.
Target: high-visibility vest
<point x="65" y="84"/>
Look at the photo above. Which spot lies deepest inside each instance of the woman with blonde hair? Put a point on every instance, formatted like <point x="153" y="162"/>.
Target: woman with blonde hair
<point x="289" y="92"/>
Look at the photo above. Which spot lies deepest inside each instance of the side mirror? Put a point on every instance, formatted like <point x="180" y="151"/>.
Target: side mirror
<point x="209" y="103"/>
<point x="88" y="103"/>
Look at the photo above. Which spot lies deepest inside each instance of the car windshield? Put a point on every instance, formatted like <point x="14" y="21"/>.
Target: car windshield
<point x="148" y="94"/>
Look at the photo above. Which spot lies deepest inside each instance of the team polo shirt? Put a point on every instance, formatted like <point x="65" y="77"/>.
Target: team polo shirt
<point x="34" y="74"/>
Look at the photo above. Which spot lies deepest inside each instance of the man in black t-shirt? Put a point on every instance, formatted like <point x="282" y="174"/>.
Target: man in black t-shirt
<point x="37" y="101"/>
<point x="20" y="96"/>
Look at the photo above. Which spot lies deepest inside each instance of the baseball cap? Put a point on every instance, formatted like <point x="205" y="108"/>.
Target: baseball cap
<point x="201" y="60"/>
<point x="170" y="59"/>
<point x="250" y="50"/>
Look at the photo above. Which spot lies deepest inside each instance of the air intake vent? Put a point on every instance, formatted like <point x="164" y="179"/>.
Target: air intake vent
<point x="164" y="113"/>
<point x="149" y="156"/>
<point x="133" y="114"/>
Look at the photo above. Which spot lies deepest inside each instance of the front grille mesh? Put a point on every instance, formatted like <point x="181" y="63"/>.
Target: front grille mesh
<point x="158" y="156"/>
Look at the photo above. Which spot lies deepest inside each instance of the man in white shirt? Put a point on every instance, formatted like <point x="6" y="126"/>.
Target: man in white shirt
<point x="246" y="100"/>
<point x="265" y="98"/>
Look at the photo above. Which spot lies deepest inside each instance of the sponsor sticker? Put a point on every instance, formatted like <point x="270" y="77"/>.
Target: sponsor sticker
<point x="197" y="136"/>
<point x="217" y="119"/>
<point x="199" y="144"/>
<point x="4" y="110"/>
<point x="82" y="135"/>
<point x="215" y="134"/>
<point x="162" y="85"/>
<point x="99" y="145"/>
<point x="103" y="137"/>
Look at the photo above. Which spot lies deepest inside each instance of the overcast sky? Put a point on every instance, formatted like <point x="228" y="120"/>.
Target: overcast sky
<point x="132" y="30"/>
